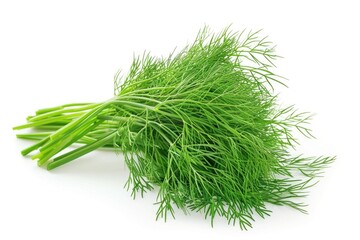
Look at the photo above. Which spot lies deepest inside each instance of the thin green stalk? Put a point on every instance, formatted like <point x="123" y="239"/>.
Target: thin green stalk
<point x="67" y="157"/>
<point x="50" y="149"/>
<point x="61" y="112"/>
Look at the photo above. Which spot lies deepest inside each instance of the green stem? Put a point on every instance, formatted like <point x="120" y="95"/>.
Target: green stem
<point x="48" y="150"/>
<point x="46" y="121"/>
<point x="45" y="110"/>
<point x="60" y="112"/>
<point x="28" y="150"/>
<point x="33" y="136"/>
<point x="67" y="157"/>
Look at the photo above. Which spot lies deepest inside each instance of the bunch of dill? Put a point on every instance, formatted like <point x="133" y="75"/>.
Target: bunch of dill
<point x="203" y="125"/>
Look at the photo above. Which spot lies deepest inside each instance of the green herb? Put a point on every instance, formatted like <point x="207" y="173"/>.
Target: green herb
<point x="203" y="125"/>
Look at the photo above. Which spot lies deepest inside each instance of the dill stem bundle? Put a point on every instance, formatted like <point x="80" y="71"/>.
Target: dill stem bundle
<point x="203" y="125"/>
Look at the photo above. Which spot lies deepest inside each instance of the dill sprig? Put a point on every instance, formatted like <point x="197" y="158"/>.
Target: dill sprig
<point x="203" y="125"/>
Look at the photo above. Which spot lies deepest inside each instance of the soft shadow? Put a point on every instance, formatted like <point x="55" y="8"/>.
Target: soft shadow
<point x="99" y="164"/>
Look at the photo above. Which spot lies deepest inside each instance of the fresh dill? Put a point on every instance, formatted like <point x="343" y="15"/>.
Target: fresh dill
<point x="203" y="125"/>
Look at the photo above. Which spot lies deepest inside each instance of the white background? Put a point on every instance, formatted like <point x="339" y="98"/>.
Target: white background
<point x="68" y="51"/>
